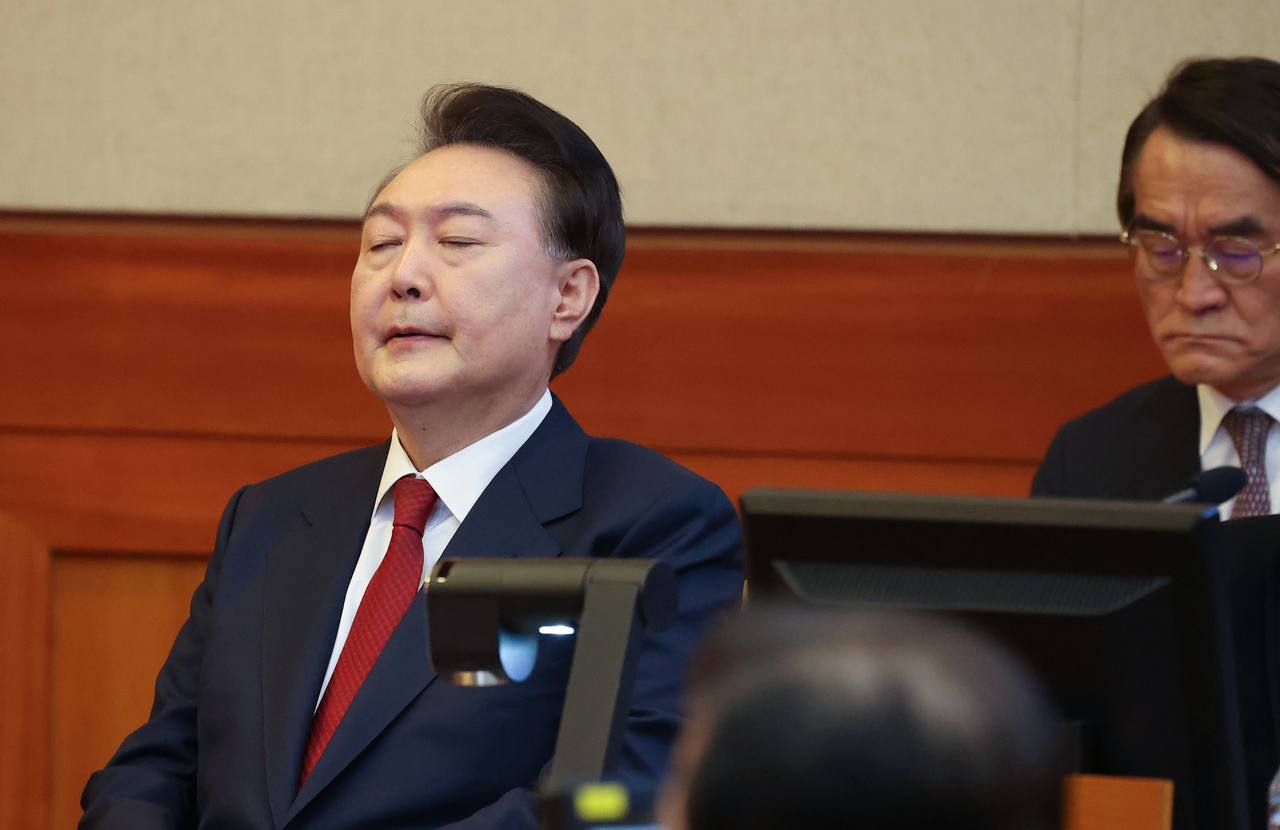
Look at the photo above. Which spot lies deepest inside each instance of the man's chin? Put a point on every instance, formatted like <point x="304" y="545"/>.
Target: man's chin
<point x="1211" y="362"/>
<point x="1194" y="372"/>
<point x="409" y="394"/>
<point x="1228" y="378"/>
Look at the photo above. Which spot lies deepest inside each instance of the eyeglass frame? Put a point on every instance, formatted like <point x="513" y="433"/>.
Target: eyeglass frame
<point x="1131" y="236"/>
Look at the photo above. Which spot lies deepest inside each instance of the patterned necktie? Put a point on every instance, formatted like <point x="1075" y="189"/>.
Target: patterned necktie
<point x="389" y="595"/>
<point x="1248" y="429"/>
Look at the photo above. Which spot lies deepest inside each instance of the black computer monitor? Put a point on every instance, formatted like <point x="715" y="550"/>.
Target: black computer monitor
<point x="1152" y="625"/>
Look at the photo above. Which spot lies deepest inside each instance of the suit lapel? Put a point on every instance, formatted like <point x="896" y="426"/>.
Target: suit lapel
<point x="551" y="466"/>
<point x="502" y="524"/>
<point x="305" y="584"/>
<point x="399" y="675"/>
<point x="543" y="481"/>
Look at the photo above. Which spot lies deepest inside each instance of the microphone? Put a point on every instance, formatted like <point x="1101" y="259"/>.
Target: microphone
<point x="1211" y="486"/>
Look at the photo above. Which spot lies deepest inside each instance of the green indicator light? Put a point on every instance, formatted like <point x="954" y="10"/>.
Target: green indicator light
<point x="606" y="801"/>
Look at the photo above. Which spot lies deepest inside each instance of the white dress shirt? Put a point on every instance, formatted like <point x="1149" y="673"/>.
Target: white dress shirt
<point x="458" y="480"/>
<point x="1216" y="447"/>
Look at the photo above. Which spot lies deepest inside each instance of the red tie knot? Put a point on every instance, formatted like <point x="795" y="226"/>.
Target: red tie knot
<point x="414" y="500"/>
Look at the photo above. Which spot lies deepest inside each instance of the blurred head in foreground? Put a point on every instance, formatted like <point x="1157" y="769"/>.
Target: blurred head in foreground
<point x="802" y="719"/>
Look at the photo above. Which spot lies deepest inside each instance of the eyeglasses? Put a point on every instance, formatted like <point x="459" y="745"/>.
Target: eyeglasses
<point x="1233" y="259"/>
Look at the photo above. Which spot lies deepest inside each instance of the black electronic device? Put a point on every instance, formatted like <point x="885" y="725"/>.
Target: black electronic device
<point x="485" y="615"/>
<point x="1153" y="625"/>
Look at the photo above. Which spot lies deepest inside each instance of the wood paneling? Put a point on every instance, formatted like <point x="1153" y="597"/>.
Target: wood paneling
<point x="191" y="335"/>
<point x="839" y="352"/>
<point x="133" y="493"/>
<point x="152" y="367"/>
<point x="137" y="494"/>
<point x="921" y="356"/>
<point x="1112" y="802"/>
<point x="736" y="474"/>
<point x="114" y="620"/>
<point x="24" y="677"/>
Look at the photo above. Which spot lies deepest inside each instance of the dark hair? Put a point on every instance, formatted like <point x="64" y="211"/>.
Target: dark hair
<point x="580" y="205"/>
<point x="1229" y="101"/>
<point x="869" y="720"/>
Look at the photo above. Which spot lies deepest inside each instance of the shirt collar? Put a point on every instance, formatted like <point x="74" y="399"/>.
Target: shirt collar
<point x="460" y="478"/>
<point x="1214" y="406"/>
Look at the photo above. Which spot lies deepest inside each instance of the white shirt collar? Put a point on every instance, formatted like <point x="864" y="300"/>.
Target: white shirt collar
<point x="460" y="478"/>
<point x="1214" y="406"/>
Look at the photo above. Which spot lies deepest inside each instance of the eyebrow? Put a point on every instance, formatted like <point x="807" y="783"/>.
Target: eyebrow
<point x="1242" y="226"/>
<point x="382" y="209"/>
<point x="1146" y="223"/>
<point x="460" y="209"/>
<point x="445" y="211"/>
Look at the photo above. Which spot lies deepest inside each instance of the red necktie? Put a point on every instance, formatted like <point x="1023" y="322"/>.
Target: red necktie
<point x="389" y="595"/>
<point x="1248" y="429"/>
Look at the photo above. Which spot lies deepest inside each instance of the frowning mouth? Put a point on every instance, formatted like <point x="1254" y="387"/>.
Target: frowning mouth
<point x="410" y="334"/>
<point x="1195" y="339"/>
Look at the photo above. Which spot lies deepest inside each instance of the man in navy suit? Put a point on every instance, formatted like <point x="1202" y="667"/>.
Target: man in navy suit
<point x="1199" y="201"/>
<point x="299" y="693"/>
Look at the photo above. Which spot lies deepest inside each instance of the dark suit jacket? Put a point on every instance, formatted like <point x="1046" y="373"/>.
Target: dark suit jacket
<point x="1143" y="445"/>
<point x="224" y="744"/>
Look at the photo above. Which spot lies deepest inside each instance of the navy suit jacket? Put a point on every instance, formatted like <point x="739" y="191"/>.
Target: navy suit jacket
<point x="224" y="745"/>
<point x="1144" y="445"/>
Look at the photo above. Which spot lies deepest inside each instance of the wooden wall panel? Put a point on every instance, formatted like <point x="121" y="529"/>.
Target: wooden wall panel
<point x="845" y="352"/>
<point x="24" y="677"/>
<point x="1113" y="802"/>
<point x="130" y="494"/>
<point x="193" y="335"/>
<point x="114" y="620"/>
<point x="136" y="493"/>
<point x="736" y="474"/>
<point x="153" y="367"/>
<point x="907" y="355"/>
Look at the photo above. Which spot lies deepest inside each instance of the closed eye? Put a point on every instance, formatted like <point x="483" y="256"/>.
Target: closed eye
<point x="382" y="246"/>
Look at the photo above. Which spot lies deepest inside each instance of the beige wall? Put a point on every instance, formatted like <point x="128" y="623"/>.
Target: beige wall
<point x="936" y="115"/>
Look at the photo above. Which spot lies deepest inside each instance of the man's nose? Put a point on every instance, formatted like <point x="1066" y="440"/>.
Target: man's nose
<point x="1198" y="288"/>
<point x="412" y="276"/>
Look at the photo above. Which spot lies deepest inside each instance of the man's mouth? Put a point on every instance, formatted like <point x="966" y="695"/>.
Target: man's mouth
<point x="410" y="333"/>
<point x="1199" y="338"/>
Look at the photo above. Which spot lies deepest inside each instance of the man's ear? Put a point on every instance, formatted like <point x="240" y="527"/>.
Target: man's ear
<point x="579" y="284"/>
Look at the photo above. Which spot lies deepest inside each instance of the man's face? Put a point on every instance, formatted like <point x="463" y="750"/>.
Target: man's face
<point x="454" y="298"/>
<point x="1225" y="336"/>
